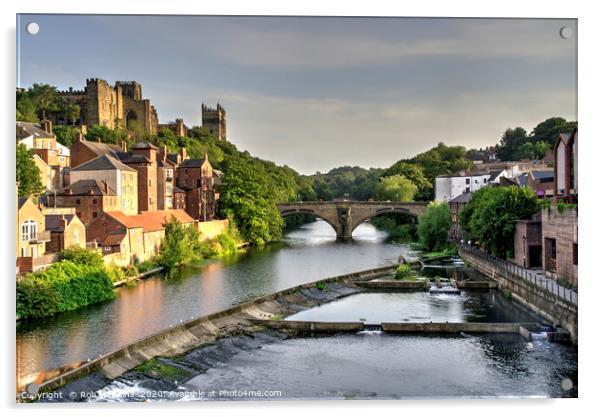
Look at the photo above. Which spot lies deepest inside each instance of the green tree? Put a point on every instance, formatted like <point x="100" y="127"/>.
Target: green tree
<point x="415" y="174"/>
<point x="73" y="112"/>
<point x="491" y="215"/>
<point x="45" y="98"/>
<point x="395" y="188"/>
<point x="28" y="174"/>
<point x="82" y="256"/>
<point x="433" y="226"/>
<point x="533" y="150"/>
<point x="441" y="160"/>
<point x="510" y="144"/>
<point x="549" y="130"/>
<point x="180" y="246"/>
<point x="26" y="108"/>
<point x="65" y="135"/>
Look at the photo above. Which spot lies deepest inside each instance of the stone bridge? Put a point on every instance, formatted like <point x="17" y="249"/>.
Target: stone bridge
<point x="345" y="216"/>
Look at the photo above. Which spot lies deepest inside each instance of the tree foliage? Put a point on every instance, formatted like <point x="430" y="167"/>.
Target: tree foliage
<point x="549" y="130"/>
<point x="180" y="246"/>
<point x="64" y="286"/>
<point x="28" y="174"/>
<point x="415" y="174"/>
<point x="433" y="226"/>
<point x="395" y="188"/>
<point x="510" y="143"/>
<point x="490" y="216"/>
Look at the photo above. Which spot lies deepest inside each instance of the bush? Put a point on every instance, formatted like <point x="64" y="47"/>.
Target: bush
<point x="433" y="226"/>
<point x="115" y="273"/>
<point x="64" y="286"/>
<point x="403" y="271"/>
<point x="82" y="256"/>
<point x="147" y="266"/>
<point x="182" y="245"/>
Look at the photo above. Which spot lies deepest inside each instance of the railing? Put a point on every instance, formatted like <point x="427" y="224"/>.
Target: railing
<point x="520" y="275"/>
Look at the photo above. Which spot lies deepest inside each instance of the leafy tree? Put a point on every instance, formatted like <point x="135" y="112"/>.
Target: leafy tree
<point x="396" y="188"/>
<point x="82" y="256"/>
<point x="108" y="135"/>
<point x="72" y="112"/>
<point x="433" y="226"/>
<point x="441" y="160"/>
<point x="415" y="174"/>
<point x="533" y="150"/>
<point x="65" y="135"/>
<point x="490" y="216"/>
<point x="45" y="98"/>
<point x="26" y="107"/>
<point x="180" y="246"/>
<point x="28" y="174"/>
<point x="549" y="130"/>
<point x="510" y="144"/>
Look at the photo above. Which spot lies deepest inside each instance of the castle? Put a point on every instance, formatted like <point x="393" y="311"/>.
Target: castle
<point x="122" y="104"/>
<point x="107" y="105"/>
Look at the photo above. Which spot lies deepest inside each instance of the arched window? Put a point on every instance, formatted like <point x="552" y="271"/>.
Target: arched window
<point x="29" y="230"/>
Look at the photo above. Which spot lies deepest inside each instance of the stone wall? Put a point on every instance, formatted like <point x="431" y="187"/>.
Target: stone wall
<point x="210" y="230"/>
<point x="539" y="300"/>
<point x="561" y="228"/>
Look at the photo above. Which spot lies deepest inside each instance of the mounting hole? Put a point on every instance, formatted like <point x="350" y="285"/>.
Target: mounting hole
<point x="32" y="28"/>
<point x="566" y="32"/>
<point x="566" y="384"/>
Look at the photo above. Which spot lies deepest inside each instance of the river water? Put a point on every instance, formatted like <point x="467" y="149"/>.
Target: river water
<point x="306" y="254"/>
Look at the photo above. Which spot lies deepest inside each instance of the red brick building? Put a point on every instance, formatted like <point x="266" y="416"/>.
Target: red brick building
<point x="559" y="228"/>
<point x="89" y="198"/>
<point x="143" y="158"/>
<point x="200" y="181"/>
<point x="565" y="167"/>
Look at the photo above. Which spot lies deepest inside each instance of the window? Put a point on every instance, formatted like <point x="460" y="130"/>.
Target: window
<point x="77" y="201"/>
<point x="467" y="190"/>
<point x="150" y="183"/>
<point x="75" y="237"/>
<point x="95" y="214"/>
<point x="467" y="180"/>
<point x="94" y="201"/>
<point x="29" y="230"/>
<point x="574" y="254"/>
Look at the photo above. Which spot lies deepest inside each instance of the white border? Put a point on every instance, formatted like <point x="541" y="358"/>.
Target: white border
<point x="590" y="71"/>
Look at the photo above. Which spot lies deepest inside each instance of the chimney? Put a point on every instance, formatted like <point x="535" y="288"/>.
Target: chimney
<point x="163" y="152"/>
<point x="183" y="153"/>
<point x="64" y="223"/>
<point x="47" y="126"/>
<point x="84" y="129"/>
<point x="98" y="139"/>
<point x="106" y="186"/>
<point x="79" y="137"/>
<point x="124" y="146"/>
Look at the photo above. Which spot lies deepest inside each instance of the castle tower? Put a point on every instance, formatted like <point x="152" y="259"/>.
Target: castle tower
<point x="214" y="120"/>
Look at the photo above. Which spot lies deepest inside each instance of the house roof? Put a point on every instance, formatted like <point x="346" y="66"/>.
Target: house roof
<point x="87" y="187"/>
<point x="462" y="198"/>
<point x="54" y="222"/>
<point x="100" y="148"/>
<point x="150" y="221"/>
<point x="192" y="163"/>
<point x="102" y="163"/>
<point x="136" y="159"/>
<point x="113" y="239"/>
<point x="494" y="174"/>
<point x="144" y="145"/>
<point x="522" y="178"/>
<point x="22" y="200"/>
<point x="543" y="174"/>
<point x="173" y="158"/>
<point x="178" y="190"/>
<point x="25" y="129"/>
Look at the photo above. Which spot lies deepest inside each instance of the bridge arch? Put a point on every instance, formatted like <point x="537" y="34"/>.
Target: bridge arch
<point x="381" y="212"/>
<point x="332" y="224"/>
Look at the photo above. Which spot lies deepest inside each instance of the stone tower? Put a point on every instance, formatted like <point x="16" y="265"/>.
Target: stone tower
<point x="214" y="120"/>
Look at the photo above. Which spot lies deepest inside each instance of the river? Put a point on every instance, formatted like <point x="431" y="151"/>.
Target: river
<point x="306" y="254"/>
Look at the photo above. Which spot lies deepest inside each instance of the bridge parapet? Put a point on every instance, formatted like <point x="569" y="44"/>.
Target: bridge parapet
<point x="346" y="215"/>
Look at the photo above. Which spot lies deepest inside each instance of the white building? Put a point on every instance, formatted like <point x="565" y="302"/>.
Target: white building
<point x="448" y="187"/>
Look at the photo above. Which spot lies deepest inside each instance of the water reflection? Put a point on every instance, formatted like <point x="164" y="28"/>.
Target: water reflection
<point x="306" y="254"/>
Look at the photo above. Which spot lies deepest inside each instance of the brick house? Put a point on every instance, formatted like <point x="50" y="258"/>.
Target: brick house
<point x="143" y="159"/>
<point x="89" y="198"/>
<point x="200" y="181"/>
<point x="527" y="242"/>
<point x="126" y="237"/>
<point x="66" y="230"/>
<point x="83" y="150"/>
<point x="456" y="206"/>
<point x="565" y="166"/>
<point x="31" y="236"/>
<point x="541" y="181"/>
<point x="559" y="229"/>
<point x="50" y="157"/>
<point x="117" y="176"/>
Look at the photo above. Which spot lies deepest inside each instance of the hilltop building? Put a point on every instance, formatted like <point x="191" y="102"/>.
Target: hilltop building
<point x="108" y="105"/>
<point x="214" y="121"/>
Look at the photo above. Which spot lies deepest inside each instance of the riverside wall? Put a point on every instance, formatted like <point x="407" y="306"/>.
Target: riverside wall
<point x="544" y="303"/>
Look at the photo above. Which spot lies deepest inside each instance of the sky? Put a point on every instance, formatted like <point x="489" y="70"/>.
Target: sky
<point x="317" y="93"/>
